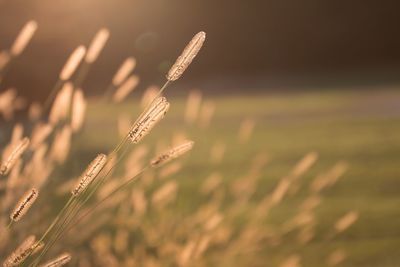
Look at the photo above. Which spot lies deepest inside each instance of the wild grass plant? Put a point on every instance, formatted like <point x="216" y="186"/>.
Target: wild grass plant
<point x="127" y="218"/>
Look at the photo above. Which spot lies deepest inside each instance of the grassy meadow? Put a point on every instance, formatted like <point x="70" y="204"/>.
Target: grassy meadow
<point x="360" y="128"/>
<point x="292" y="178"/>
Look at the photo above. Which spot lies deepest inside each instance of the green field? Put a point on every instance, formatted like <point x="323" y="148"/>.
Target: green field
<point x="361" y="128"/>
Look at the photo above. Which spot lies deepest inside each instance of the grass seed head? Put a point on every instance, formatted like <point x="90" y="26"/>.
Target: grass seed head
<point x="59" y="261"/>
<point x="72" y="63"/>
<point x="128" y="86"/>
<point x="24" y="204"/>
<point x="15" y="154"/>
<point x="21" y="253"/>
<point x="23" y="38"/>
<point x="90" y="174"/>
<point x="97" y="45"/>
<point x="123" y="72"/>
<point x="150" y="118"/>
<point x="187" y="56"/>
<point x="171" y="154"/>
<point x="78" y="110"/>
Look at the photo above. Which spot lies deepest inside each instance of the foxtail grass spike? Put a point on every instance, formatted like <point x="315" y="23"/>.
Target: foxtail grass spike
<point x="97" y="45"/>
<point x="123" y="91"/>
<point x="21" y="253"/>
<point x="23" y="38"/>
<point x="24" y="204"/>
<point x="187" y="56"/>
<point x="59" y="261"/>
<point x="150" y="118"/>
<point x="172" y="154"/>
<point x="90" y="174"/>
<point x="124" y="71"/>
<point x="72" y="63"/>
<point x="17" y="152"/>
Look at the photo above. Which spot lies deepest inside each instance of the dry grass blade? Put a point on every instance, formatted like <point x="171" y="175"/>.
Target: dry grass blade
<point x="193" y="106"/>
<point x="97" y="45"/>
<point x="17" y="133"/>
<point x="37" y="247"/>
<point x="35" y="111"/>
<point x="7" y="100"/>
<point x="149" y="94"/>
<point x="24" y="204"/>
<point x="304" y="164"/>
<point x="245" y="130"/>
<point x="40" y="133"/>
<point x="59" y="261"/>
<point x="217" y="152"/>
<point x="72" y="63"/>
<point x="123" y="72"/>
<point x="4" y="59"/>
<point x="346" y="221"/>
<point x="187" y="56"/>
<point x="23" y="38"/>
<point x="20" y="254"/>
<point x="90" y="174"/>
<point x="149" y="119"/>
<point x="336" y="257"/>
<point x="171" y="154"/>
<point x="292" y="261"/>
<point x="123" y="91"/>
<point x="78" y="110"/>
<point x="61" y="145"/>
<point x="206" y="114"/>
<point x="165" y="194"/>
<point x="61" y="105"/>
<point x="15" y="154"/>
<point x="280" y="191"/>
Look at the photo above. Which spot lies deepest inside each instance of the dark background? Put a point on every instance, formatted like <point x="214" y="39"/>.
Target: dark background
<point x="251" y="45"/>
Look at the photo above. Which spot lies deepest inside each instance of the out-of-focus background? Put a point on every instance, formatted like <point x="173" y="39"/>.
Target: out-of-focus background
<point x="261" y="44"/>
<point x="319" y="76"/>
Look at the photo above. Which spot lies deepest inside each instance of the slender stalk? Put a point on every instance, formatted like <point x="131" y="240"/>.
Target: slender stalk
<point x="5" y="68"/>
<point x="59" y="216"/>
<point x="54" y="236"/>
<point x="99" y="203"/>
<point x="73" y="211"/>
<point x="56" y="219"/>
<point x="82" y="73"/>
<point x="75" y="205"/>
<point x="10" y="224"/>
<point x="52" y="94"/>
<point x="108" y="92"/>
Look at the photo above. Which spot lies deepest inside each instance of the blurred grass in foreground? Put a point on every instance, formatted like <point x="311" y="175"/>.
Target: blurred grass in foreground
<point x="359" y="127"/>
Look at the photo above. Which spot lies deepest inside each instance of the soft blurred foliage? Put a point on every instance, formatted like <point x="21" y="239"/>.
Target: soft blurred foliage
<point x="301" y="177"/>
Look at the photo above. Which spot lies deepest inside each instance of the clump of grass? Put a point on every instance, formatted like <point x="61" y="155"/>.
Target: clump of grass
<point x="115" y="218"/>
